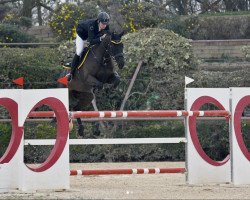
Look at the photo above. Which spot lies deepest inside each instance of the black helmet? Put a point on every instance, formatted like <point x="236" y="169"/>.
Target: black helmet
<point x="103" y="17"/>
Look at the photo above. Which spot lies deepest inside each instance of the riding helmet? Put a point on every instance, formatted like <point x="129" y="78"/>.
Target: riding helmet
<point x="103" y="17"/>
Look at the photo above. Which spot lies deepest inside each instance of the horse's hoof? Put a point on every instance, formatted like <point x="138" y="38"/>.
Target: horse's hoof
<point x="96" y="129"/>
<point x="79" y="137"/>
<point x="98" y="87"/>
<point x="93" y="137"/>
<point x="80" y="131"/>
<point x="116" y="83"/>
<point x="96" y="132"/>
<point x="53" y="121"/>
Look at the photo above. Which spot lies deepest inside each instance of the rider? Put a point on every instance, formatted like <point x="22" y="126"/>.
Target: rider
<point x="92" y="31"/>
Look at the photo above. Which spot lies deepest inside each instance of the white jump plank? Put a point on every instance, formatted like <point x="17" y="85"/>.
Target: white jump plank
<point x="110" y="141"/>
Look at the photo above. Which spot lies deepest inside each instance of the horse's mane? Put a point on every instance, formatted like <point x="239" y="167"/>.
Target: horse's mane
<point x="117" y="36"/>
<point x="114" y="36"/>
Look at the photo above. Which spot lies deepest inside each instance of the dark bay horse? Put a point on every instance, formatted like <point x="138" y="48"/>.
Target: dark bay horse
<point x="97" y="68"/>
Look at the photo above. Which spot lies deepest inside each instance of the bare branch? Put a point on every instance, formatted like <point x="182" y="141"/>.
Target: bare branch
<point x="208" y="5"/>
<point x="131" y="85"/>
<point x="7" y="1"/>
<point x="46" y="7"/>
<point x="141" y="93"/>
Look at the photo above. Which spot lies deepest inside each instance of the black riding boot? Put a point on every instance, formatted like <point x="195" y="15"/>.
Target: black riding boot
<point x="74" y="65"/>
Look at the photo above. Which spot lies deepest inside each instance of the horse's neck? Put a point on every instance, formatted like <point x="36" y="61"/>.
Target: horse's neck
<point x="104" y="56"/>
<point x="99" y="50"/>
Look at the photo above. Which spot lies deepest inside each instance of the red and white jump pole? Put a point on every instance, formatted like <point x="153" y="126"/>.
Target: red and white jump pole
<point x="134" y="114"/>
<point x="127" y="171"/>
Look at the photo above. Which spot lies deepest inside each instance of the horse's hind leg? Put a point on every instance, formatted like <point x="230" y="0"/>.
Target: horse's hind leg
<point x="74" y="97"/>
<point x="84" y="100"/>
<point x="80" y="125"/>
<point x="80" y="129"/>
<point x="96" y="129"/>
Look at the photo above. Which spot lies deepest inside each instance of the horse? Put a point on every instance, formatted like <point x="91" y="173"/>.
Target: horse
<point x="97" y="67"/>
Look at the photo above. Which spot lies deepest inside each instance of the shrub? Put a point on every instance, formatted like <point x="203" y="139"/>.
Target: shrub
<point x="246" y="51"/>
<point x="4" y="9"/>
<point x="199" y="27"/>
<point x="40" y="66"/>
<point x="11" y="34"/>
<point x="142" y="15"/>
<point x="167" y="59"/>
<point x="65" y="18"/>
<point x="19" y="21"/>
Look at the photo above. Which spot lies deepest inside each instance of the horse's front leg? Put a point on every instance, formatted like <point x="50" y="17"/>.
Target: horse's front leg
<point x="92" y="81"/>
<point x="114" y="79"/>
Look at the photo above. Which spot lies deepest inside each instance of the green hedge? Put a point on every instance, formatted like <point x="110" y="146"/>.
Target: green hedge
<point x="40" y="67"/>
<point x="209" y="27"/>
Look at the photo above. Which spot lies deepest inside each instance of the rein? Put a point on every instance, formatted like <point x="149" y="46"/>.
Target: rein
<point x="107" y="51"/>
<point x="114" y="42"/>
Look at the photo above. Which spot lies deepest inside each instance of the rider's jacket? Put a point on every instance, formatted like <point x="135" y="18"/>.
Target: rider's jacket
<point x="89" y="30"/>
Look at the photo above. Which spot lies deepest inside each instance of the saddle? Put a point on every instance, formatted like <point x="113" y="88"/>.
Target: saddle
<point x="67" y="65"/>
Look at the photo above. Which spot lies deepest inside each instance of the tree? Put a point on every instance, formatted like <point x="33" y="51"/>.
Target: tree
<point x="236" y="5"/>
<point x="64" y="19"/>
<point x="209" y="5"/>
<point x="131" y="15"/>
<point x="29" y="5"/>
<point x="4" y="9"/>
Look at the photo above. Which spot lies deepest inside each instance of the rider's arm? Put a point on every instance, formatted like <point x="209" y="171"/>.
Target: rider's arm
<point x="92" y="38"/>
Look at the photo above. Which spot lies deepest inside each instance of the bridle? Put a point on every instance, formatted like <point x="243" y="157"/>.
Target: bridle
<point x="109" y="50"/>
<point x="108" y="55"/>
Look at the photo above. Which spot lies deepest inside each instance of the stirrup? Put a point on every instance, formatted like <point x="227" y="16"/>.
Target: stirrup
<point x="68" y="64"/>
<point x="69" y="76"/>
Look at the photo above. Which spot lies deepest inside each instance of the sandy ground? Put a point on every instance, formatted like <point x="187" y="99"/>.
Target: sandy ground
<point x="137" y="186"/>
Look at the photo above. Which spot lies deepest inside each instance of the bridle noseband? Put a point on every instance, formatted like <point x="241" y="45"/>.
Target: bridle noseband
<point x="108" y="53"/>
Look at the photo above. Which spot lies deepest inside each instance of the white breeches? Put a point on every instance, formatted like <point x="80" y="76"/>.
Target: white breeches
<point x="79" y="45"/>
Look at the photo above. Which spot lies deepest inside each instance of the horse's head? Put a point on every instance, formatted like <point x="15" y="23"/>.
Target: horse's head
<point x="117" y="49"/>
